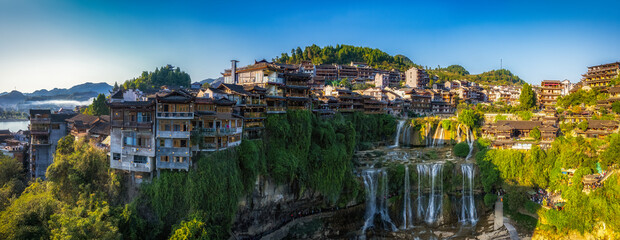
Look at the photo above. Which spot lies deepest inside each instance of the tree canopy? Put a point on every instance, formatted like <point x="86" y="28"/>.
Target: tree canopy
<point x="345" y="54"/>
<point x="98" y="107"/>
<point x="527" y="98"/>
<point x="167" y="75"/>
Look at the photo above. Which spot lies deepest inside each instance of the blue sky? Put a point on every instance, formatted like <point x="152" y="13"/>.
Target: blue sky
<point x="47" y="44"/>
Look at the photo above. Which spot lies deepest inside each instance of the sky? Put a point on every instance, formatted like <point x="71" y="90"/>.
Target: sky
<point x="58" y="44"/>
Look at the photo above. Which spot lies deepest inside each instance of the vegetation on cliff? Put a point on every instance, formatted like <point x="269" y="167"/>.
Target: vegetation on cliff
<point x="83" y="198"/>
<point x="458" y="72"/>
<point x="345" y="54"/>
<point x="517" y="171"/>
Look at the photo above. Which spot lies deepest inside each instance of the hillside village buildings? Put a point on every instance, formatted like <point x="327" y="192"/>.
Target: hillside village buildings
<point x="147" y="133"/>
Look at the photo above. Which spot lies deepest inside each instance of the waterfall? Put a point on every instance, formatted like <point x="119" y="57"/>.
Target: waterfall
<point x="407" y="137"/>
<point x="407" y="215"/>
<point x="470" y="142"/>
<point x="428" y="131"/>
<point x="371" y="182"/>
<point x="436" y="140"/>
<point x="468" y="208"/>
<point x="429" y="206"/>
<point x="398" y="128"/>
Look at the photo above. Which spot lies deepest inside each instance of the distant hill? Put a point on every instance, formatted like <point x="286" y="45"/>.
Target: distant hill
<point x="345" y="54"/>
<point x="457" y="72"/>
<point x="80" y="91"/>
<point x="13" y="97"/>
<point x="211" y="80"/>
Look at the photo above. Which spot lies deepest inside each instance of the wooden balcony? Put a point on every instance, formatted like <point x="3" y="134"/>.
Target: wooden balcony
<point x="175" y="115"/>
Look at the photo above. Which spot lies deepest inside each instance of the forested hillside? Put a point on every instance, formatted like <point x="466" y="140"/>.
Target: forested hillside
<point x="345" y="54"/>
<point x="167" y="75"/>
<point x="493" y="77"/>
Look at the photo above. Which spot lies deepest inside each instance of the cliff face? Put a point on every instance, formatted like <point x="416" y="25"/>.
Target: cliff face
<point x="271" y="206"/>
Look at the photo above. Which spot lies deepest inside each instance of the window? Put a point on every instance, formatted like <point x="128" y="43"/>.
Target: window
<point x="144" y="141"/>
<point x="162" y="142"/>
<point x="116" y="156"/>
<point x="144" y="117"/>
<point x="180" y="143"/>
<point x="139" y="159"/>
<point x="164" y="158"/>
<point x="55" y="126"/>
<point x="130" y="139"/>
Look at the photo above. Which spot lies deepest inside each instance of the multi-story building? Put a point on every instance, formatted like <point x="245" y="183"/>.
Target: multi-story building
<point x="382" y="80"/>
<point x="416" y="78"/>
<point x="297" y="91"/>
<point x="132" y="133"/>
<point x="566" y="87"/>
<point x="601" y="75"/>
<point x="550" y="90"/>
<point x="249" y="104"/>
<point x="174" y="111"/>
<point x="420" y="102"/>
<point x="214" y="126"/>
<point x="46" y="128"/>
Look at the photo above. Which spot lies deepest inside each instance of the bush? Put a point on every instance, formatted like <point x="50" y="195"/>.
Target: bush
<point x="535" y="133"/>
<point x="461" y="149"/>
<point x="490" y="199"/>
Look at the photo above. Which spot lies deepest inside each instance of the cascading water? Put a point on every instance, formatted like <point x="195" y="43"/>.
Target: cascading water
<point x="470" y="142"/>
<point x="428" y="131"/>
<point x="429" y="204"/>
<point x="438" y="140"/>
<point x="373" y="208"/>
<point x="468" y="208"/>
<point x="407" y="213"/>
<point x="398" y="128"/>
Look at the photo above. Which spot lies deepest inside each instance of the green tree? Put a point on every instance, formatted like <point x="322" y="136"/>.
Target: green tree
<point x="27" y="217"/>
<point x="583" y="125"/>
<point x="535" y="133"/>
<point x="525" y="115"/>
<point x="461" y="149"/>
<point x="166" y="75"/>
<point x="90" y="219"/>
<point x="616" y="107"/>
<point x="116" y="87"/>
<point x="470" y="117"/>
<point x="192" y="229"/>
<point x="11" y="180"/>
<point x="98" y="107"/>
<point x="527" y="98"/>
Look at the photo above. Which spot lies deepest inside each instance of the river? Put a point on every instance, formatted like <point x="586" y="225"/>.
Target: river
<point x="14" y="125"/>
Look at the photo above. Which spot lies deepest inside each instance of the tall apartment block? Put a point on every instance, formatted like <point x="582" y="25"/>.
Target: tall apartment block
<point x="132" y="133"/>
<point x="416" y="78"/>
<point x="550" y="90"/>
<point x="46" y="128"/>
<point x="174" y="111"/>
<point x="601" y="75"/>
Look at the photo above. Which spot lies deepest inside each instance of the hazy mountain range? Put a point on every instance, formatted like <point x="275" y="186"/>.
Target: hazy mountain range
<point x="81" y="94"/>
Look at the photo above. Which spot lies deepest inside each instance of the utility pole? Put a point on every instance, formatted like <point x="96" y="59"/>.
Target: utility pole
<point x="501" y="64"/>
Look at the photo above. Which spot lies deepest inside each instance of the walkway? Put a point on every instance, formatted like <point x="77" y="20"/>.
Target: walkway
<point x="501" y="220"/>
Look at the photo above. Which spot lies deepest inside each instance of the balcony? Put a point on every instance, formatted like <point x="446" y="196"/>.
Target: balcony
<point x="207" y="132"/>
<point x="40" y="142"/>
<point x="138" y="150"/>
<point x="276" y="109"/>
<point x="254" y="115"/>
<point x="228" y="131"/>
<point x="172" y="134"/>
<point x="175" y="115"/>
<point x="173" y="165"/>
<point x="39" y="131"/>
<point x="40" y="120"/>
<point x="173" y="151"/>
<point x="131" y="166"/>
<point x="123" y="124"/>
